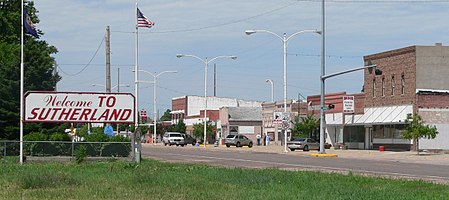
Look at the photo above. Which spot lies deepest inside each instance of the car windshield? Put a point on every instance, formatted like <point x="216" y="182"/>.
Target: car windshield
<point x="230" y="136"/>
<point x="299" y="139"/>
<point x="175" y="135"/>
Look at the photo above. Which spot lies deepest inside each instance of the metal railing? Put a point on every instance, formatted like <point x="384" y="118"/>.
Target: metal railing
<point x="65" y="148"/>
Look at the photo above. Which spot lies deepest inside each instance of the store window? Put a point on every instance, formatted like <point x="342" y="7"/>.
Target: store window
<point x="402" y="85"/>
<point x="383" y="87"/>
<point x="374" y="87"/>
<point x="392" y="86"/>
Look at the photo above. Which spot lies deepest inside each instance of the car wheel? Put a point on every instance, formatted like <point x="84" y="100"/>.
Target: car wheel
<point x="291" y="149"/>
<point x="182" y="145"/>
<point x="165" y="144"/>
<point x="238" y="144"/>
<point x="228" y="145"/>
<point x="193" y="143"/>
<point x="250" y="145"/>
<point x="169" y="144"/>
<point x="177" y="145"/>
<point x="306" y="148"/>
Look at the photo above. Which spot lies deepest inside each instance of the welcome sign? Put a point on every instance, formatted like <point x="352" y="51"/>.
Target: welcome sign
<point x="79" y="107"/>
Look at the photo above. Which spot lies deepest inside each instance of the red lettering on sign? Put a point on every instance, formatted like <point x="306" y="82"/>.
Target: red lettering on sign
<point x="33" y="112"/>
<point x="104" y="115"/>
<point x="126" y="114"/>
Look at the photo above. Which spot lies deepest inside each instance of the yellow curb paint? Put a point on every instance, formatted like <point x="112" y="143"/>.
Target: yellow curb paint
<point x="323" y="155"/>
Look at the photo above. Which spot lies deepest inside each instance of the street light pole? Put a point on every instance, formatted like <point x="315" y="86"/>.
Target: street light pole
<point x="284" y="40"/>
<point x="206" y="63"/>
<point x="154" y="75"/>
<point x="272" y="88"/>
<point x="322" y="87"/>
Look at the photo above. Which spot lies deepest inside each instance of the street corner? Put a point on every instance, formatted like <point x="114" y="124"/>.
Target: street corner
<point x="323" y="155"/>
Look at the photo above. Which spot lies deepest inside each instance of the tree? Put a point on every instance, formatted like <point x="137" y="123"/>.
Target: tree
<point x="416" y="130"/>
<point x="305" y="126"/>
<point x="39" y="67"/>
<point x="198" y="130"/>
<point x="179" y="127"/>
<point x="166" y="116"/>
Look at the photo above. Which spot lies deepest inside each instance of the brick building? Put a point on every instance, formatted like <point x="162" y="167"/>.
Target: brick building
<point x="414" y="80"/>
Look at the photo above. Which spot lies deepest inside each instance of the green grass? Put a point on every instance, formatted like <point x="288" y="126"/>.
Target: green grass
<point x="157" y="180"/>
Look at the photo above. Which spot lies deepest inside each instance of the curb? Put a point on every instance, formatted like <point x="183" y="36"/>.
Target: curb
<point x="323" y="155"/>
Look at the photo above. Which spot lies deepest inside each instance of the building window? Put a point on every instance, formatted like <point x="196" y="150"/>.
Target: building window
<point x="392" y="86"/>
<point x="374" y="87"/>
<point x="402" y="85"/>
<point x="383" y="86"/>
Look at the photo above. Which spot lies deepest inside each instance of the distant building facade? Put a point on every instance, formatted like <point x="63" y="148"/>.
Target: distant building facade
<point x="191" y="108"/>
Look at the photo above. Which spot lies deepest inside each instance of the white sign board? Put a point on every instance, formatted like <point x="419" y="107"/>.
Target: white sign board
<point x="79" y="107"/>
<point x="348" y="104"/>
<point x="279" y="117"/>
<point x="246" y="129"/>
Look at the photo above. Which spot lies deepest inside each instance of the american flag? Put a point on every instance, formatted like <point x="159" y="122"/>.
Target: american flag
<point x="143" y="21"/>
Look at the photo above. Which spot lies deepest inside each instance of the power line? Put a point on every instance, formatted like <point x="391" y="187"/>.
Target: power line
<point x="216" y="25"/>
<point x="95" y="54"/>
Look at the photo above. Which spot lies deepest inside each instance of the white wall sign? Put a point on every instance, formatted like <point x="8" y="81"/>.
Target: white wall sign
<point x="79" y="107"/>
<point x="279" y="117"/>
<point x="348" y="104"/>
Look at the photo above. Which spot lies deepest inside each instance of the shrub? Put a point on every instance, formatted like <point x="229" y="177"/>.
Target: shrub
<point x="59" y="137"/>
<point x="97" y="137"/>
<point x="80" y="154"/>
<point x="35" y="136"/>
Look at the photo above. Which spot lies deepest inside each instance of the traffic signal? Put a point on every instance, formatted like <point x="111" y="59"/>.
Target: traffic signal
<point x="378" y="72"/>
<point x="331" y="106"/>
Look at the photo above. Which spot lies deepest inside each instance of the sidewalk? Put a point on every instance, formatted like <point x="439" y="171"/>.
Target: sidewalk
<point x="399" y="156"/>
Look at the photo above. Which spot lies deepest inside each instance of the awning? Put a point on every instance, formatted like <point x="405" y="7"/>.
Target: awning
<point x="374" y="115"/>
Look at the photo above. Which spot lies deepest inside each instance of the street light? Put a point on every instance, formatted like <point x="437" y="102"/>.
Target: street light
<point x="154" y="75"/>
<point x="206" y="63"/>
<point x="284" y="40"/>
<point x="272" y="88"/>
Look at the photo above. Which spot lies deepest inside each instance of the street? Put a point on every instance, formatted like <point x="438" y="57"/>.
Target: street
<point x="250" y="158"/>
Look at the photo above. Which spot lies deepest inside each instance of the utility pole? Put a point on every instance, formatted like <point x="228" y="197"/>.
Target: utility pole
<point x="215" y="80"/>
<point x="108" y="60"/>
<point x="55" y="72"/>
<point x="118" y="79"/>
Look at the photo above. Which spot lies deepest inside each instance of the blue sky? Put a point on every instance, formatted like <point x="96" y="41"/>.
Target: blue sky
<point x="209" y="28"/>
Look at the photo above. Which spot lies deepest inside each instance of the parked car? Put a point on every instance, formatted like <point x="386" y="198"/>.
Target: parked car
<point x="238" y="140"/>
<point x="305" y="144"/>
<point x="171" y="138"/>
<point x="188" y="139"/>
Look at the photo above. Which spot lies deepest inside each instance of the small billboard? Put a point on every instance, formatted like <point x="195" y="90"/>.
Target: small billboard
<point x="348" y="104"/>
<point x="79" y="107"/>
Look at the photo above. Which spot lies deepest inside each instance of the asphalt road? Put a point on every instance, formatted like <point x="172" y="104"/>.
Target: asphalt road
<point x="233" y="157"/>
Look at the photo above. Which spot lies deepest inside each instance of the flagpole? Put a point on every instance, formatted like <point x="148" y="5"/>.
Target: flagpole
<point x="136" y="71"/>
<point x="21" y="86"/>
<point x="136" y="154"/>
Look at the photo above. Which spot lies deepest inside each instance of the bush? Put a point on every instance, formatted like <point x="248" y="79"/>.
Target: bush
<point x="119" y="138"/>
<point x="59" y="137"/>
<point x="35" y="136"/>
<point x="97" y="137"/>
<point x="80" y="154"/>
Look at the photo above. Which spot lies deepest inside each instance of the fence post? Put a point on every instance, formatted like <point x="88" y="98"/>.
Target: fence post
<point x="73" y="147"/>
